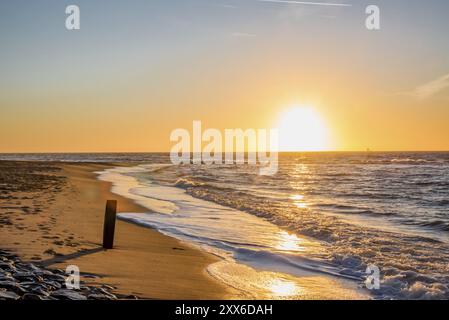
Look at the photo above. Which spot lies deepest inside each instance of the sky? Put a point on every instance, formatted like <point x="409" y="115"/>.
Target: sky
<point x="138" y="69"/>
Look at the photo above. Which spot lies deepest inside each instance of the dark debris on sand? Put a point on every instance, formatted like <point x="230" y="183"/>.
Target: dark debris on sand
<point x="28" y="188"/>
<point x="28" y="177"/>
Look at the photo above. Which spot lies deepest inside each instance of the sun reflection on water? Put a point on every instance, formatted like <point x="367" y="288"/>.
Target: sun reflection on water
<point x="298" y="200"/>
<point x="258" y="284"/>
<point x="283" y="288"/>
<point x="289" y="242"/>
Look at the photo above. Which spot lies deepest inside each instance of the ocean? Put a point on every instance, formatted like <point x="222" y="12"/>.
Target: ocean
<point x="329" y="214"/>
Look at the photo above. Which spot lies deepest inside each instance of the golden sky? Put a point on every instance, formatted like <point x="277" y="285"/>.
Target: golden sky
<point x="128" y="78"/>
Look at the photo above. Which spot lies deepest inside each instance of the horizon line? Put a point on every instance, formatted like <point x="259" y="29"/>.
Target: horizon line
<point x="150" y="152"/>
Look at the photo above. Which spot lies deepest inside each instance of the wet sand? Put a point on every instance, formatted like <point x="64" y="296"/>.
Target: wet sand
<point x="52" y="214"/>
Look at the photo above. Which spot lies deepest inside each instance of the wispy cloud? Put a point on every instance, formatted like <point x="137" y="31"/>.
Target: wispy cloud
<point x="431" y="88"/>
<point x="309" y="3"/>
<point x="243" y="35"/>
<point x="227" y="6"/>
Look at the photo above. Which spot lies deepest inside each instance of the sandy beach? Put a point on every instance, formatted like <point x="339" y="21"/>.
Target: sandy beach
<point x="52" y="214"/>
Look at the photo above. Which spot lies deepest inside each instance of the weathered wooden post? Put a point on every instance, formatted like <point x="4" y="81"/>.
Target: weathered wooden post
<point x="109" y="224"/>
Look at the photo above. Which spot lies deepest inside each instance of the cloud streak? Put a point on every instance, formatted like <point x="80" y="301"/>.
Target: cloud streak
<point x="431" y="88"/>
<point x="243" y="34"/>
<point x="308" y="3"/>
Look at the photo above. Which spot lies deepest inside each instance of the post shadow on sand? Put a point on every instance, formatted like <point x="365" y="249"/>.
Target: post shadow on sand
<point x="108" y="237"/>
<point x="63" y="258"/>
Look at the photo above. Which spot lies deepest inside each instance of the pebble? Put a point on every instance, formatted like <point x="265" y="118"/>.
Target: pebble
<point x="32" y="296"/>
<point x="8" y="284"/>
<point x="98" y="296"/>
<point x="8" y="295"/>
<point x="27" y="281"/>
<point x="53" y="284"/>
<point x="55" y="277"/>
<point x="68" y="295"/>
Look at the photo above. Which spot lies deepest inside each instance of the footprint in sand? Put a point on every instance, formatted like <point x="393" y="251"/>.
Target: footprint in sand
<point x="52" y="252"/>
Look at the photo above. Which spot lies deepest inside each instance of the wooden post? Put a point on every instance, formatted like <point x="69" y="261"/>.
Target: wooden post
<point x="109" y="224"/>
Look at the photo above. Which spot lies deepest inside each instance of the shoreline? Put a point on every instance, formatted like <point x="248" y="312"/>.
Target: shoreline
<point x="250" y="278"/>
<point x="144" y="262"/>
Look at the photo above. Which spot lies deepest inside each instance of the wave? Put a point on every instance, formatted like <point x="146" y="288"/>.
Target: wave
<point x="233" y="235"/>
<point x="394" y="227"/>
<point x="185" y="183"/>
<point x="436" y="224"/>
<point x="411" y="160"/>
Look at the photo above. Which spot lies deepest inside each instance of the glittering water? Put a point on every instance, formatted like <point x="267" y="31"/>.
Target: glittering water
<point x="387" y="209"/>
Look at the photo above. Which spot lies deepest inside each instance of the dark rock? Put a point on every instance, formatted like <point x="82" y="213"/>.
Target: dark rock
<point x="48" y="298"/>
<point x="8" y="284"/>
<point x="8" y="295"/>
<point x="68" y="295"/>
<point x="53" y="285"/>
<point x="99" y="296"/>
<point x="6" y="276"/>
<point x="28" y="284"/>
<point x="86" y="288"/>
<point x="103" y="291"/>
<point x="107" y="287"/>
<point x="40" y="290"/>
<point x="32" y="296"/>
<point x="12" y="286"/>
<point x="19" y="280"/>
<point x="55" y="277"/>
<point x="38" y="271"/>
<point x="6" y="264"/>
<point x="59" y="271"/>
<point x="23" y="275"/>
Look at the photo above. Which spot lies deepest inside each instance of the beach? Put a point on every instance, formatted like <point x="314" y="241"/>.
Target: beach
<point x="51" y="214"/>
<point x="52" y="217"/>
<point x="225" y="232"/>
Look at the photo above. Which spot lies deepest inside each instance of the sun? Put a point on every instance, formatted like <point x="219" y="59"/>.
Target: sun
<point x="302" y="129"/>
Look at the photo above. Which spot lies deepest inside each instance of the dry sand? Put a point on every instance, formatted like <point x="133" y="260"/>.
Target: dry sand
<point x="53" y="214"/>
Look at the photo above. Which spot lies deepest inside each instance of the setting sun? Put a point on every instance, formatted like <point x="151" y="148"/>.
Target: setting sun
<point x="302" y="129"/>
